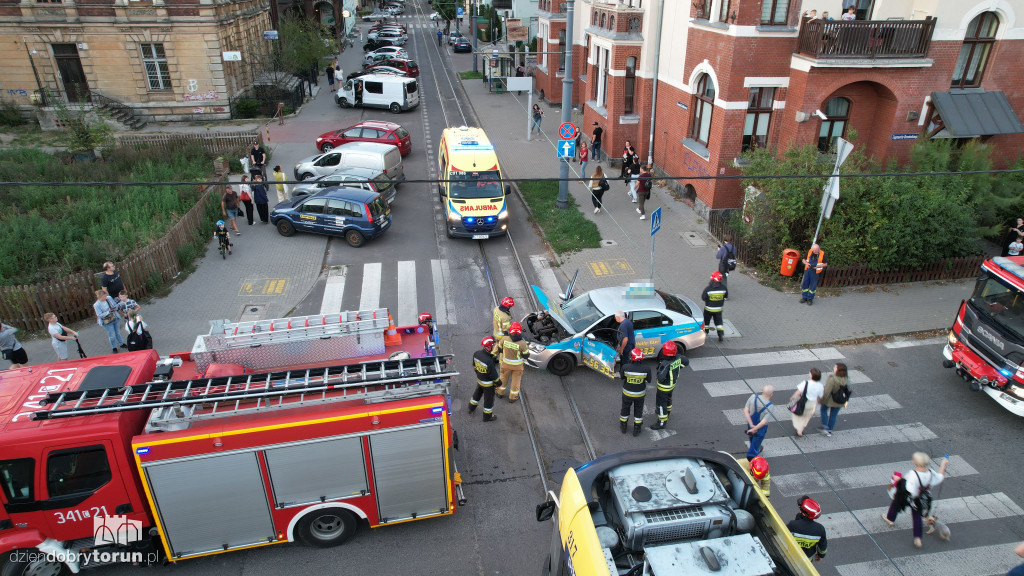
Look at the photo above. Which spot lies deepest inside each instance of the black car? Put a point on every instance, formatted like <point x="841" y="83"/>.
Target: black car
<point x="462" y="45"/>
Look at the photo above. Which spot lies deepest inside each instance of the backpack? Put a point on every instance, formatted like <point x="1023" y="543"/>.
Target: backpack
<point x="842" y="394"/>
<point x="730" y="258"/>
<point x="135" y="341"/>
<point x="923" y="502"/>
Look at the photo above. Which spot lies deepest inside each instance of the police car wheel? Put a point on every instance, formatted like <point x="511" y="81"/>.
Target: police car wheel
<point x="326" y="528"/>
<point x="561" y="365"/>
<point x="29" y="562"/>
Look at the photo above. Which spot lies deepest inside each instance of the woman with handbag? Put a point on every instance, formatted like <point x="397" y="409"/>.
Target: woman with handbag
<point x="108" y="318"/>
<point x="59" y="336"/>
<point x="804" y="402"/>
<point x="10" y="348"/>
<point x="598" y="186"/>
<point x="245" y="195"/>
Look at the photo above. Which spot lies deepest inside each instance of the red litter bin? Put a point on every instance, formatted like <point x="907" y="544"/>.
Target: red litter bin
<point x="789" y="259"/>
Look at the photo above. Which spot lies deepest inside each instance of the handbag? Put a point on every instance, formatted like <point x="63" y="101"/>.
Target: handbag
<point x="798" y="407"/>
<point x="111" y="314"/>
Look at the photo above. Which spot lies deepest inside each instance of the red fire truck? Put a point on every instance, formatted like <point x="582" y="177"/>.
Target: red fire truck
<point x="986" y="342"/>
<point x="266" y="432"/>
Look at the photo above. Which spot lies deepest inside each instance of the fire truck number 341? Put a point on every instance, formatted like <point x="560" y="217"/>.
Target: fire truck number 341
<point x="80" y="515"/>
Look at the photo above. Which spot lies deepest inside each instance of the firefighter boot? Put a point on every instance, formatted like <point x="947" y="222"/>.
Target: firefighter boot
<point x="658" y="426"/>
<point x="637" y="427"/>
<point x="489" y="417"/>
<point x="622" y="426"/>
<point x="472" y="407"/>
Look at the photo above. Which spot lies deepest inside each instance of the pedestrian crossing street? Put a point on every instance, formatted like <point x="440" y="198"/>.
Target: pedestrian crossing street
<point x="876" y="450"/>
<point x="408" y="287"/>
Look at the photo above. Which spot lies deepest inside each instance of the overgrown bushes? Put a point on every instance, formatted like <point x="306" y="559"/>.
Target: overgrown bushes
<point x="10" y="114"/>
<point x="884" y="222"/>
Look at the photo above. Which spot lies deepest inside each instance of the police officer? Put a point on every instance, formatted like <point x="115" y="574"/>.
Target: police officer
<point x="714" y="296"/>
<point x="809" y="534"/>
<point x="502" y="317"/>
<point x="762" y="477"/>
<point x="486" y="368"/>
<point x="635" y="377"/>
<point x="512" y="350"/>
<point x="668" y="375"/>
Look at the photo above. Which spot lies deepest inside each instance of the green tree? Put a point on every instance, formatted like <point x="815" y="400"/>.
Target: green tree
<point x="303" y="44"/>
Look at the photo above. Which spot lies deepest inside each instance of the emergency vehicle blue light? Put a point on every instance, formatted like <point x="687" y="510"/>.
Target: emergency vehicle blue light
<point x="142" y="451"/>
<point x="470" y="220"/>
<point x="1006" y="372"/>
<point x="437" y="410"/>
<point x="491" y="219"/>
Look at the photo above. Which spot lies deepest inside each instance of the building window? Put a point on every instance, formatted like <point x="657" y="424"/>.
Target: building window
<point x="611" y="22"/>
<point x="155" y="61"/>
<point x="703" y="104"/>
<point x="775" y="12"/>
<point x="837" y="110"/>
<point x="602" y="75"/>
<point x="759" y="118"/>
<point x="629" y="87"/>
<point x="633" y="25"/>
<point x="703" y="9"/>
<point x="561" y="50"/>
<point x="976" y="49"/>
<point x="602" y="20"/>
<point x="593" y="19"/>
<point x="723" y="12"/>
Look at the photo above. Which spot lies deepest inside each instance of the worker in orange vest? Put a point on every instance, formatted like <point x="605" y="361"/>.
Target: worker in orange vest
<point x="814" y="264"/>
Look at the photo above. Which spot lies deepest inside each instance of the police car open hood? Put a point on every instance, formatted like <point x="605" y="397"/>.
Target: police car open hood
<point x="555" y="311"/>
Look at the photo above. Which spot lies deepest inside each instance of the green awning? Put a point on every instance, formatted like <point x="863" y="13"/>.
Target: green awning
<point x="972" y="113"/>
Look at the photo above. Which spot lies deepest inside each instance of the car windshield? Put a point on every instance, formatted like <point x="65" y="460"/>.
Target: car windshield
<point x="581" y="313"/>
<point x="485" y="184"/>
<point x="674" y="303"/>
<point x="1001" y="304"/>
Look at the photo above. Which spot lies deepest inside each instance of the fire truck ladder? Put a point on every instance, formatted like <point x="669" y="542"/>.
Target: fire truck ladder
<point x="176" y="403"/>
<point x="300" y="327"/>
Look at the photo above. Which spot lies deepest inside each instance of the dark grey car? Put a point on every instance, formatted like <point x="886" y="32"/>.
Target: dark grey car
<point x="365" y="178"/>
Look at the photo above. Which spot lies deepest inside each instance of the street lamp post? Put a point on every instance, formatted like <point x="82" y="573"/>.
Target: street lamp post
<point x="563" y="172"/>
<point x="473" y="14"/>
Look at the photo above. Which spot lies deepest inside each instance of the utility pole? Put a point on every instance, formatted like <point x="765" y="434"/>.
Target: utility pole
<point x="473" y="14"/>
<point x="563" y="172"/>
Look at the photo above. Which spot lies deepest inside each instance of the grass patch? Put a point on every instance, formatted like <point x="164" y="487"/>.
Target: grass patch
<point x="566" y="230"/>
<point x="470" y="75"/>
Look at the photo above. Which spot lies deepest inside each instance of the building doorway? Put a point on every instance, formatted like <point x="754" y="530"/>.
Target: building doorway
<point x="72" y="76"/>
<point x="865" y="8"/>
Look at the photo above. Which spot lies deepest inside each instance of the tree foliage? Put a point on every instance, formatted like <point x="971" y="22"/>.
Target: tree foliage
<point x="84" y="129"/>
<point x="884" y="222"/>
<point x="303" y="44"/>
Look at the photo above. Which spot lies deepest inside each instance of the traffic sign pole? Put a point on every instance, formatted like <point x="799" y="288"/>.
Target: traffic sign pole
<point x="567" y="81"/>
<point x="655" y="226"/>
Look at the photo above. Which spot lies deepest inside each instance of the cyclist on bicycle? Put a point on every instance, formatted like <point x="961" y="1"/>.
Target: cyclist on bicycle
<point x="222" y="236"/>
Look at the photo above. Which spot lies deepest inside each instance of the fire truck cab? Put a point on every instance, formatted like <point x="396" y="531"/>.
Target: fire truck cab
<point x="258" y="436"/>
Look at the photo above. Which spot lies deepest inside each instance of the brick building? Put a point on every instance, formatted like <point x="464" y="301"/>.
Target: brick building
<point x="162" y="58"/>
<point x="734" y="74"/>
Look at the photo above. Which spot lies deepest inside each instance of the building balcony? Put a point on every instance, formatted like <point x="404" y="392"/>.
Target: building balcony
<point x="865" y="39"/>
<point x="634" y="6"/>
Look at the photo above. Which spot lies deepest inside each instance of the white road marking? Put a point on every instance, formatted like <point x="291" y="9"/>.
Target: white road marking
<point x="855" y="438"/>
<point x="908" y="342"/>
<point x="949" y="510"/>
<point x="513" y="279"/>
<point x="661" y="434"/>
<point x="738" y="387"/>
<point x="334" y="290"/>
<point x="369" y="297"/>
<point x="855" y="477"/>
<point x="407" y="304"/>
<point x="996" y="559"/>
<point x="766" y="358"/>
<point x="546" y="278"/>
<point x="444" y="313"/>
<point x="859" y="405"/>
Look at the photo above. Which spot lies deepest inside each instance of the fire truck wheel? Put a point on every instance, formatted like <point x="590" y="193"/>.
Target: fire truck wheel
<point x="326" y="528"/>
<point x="29" y="562"/>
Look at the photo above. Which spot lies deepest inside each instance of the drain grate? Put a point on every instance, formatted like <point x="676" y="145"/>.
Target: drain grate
<point x="694" y="239"/>
<point x="252" y="313"/>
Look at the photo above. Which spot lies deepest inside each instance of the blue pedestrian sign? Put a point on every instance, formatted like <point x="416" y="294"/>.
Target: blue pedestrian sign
<point x="566" y="148"/>
<point x="655" y="221"/>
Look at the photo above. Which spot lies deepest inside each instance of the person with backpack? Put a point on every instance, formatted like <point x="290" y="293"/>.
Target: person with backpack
<point x="138" y="333"/>
<point x="598" y="186"/>
<point x="804" y="402"/>
<point x="837" y="394"/>
<point x="726" y="256"/>
<point x="643" y="188"/>
<point x="914" y="489"/>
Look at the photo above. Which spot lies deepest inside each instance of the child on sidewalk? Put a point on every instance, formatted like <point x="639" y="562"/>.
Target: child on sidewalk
<point x="222" y="236"/>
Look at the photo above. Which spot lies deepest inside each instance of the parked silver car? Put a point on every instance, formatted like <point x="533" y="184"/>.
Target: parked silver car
<point x="384" y="157"/>
<point x="365" y="178"/>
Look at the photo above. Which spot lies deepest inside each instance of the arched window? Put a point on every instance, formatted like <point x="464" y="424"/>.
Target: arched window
<point x="975" y="51"/>
<point x="837" y="110"/>
<point x="629" y="87"/>
<point x="611" y="22"/>
<point x="602" y="20"/>
<point x="593" y="19"/>
<point x="703" y="105"/>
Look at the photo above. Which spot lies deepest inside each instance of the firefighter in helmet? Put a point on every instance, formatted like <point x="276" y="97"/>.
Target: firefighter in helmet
<point x="486" y="368"/>
<point x="763" y="478"/>
<point x="668" y="375"/>
<point x="512" y="350"/>
<point x="635" y="377"/>
<point x="714" y="297"/>
<point x="810" y="535"/>
<point x="502" y="317"/>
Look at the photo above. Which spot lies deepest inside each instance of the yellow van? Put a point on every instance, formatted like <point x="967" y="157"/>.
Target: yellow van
<point x="470" y="185"/>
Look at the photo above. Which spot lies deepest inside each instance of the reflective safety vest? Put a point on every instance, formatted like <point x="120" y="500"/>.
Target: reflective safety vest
<point x="485" y="367"/>
<point x="817" y="263"/>
<point x="668" y="372"/>
<point x="765" y="484"/>
<point x="635" y="377"/>
<point x="512" y="352"/>
<point x="502" y="320"/>
<point x="714" y="297"/>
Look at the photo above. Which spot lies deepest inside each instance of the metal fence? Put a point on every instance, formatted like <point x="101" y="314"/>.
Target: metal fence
<point x="261" y="101"/>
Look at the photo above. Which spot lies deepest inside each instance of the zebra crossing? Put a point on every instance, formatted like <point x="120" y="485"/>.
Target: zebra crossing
<point x="875" y="437"/>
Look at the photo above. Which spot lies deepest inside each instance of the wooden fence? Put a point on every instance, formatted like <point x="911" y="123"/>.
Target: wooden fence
<point x="215" y="142"/>
<point x="71" y="297"/>
<point x="859" y="275"/>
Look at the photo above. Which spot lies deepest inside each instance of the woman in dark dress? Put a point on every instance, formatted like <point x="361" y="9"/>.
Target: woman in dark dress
<point x="259" y="197"/>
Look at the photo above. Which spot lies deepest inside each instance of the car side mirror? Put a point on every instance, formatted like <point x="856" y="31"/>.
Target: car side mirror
<point x="591" y="337"/>
<point x="545" y="511"/>
<point x="508" y="190"/>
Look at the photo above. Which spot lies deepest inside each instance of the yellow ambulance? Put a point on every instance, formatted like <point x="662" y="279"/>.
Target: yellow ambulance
<point x="470" y="185"/>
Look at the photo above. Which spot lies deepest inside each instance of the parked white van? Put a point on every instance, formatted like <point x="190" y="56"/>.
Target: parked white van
<point x="374" y="155"/>
<point x="395" y="93"/>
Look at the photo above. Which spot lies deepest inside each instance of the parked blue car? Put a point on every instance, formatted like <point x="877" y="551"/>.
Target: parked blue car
<point x="352" y="213"/>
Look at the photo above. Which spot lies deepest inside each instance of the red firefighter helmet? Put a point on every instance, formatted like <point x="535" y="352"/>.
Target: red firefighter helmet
<point x="487" y="342"/>
<point x="809" y="508"/>
<point x="669" y="348"/>
<point x="636" y="355"/>
<point x="515" y="328"/>
<point x="759" y="468"/>
<point x="716" y="276"/>
<point x="508" y="302"/>
<point x="425" y="318"/>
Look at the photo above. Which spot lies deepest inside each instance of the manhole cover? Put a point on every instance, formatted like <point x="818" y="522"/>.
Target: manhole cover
<point x="694" y="239"/>
<point x="252" y="312"/>
<point x="608" y="243"/>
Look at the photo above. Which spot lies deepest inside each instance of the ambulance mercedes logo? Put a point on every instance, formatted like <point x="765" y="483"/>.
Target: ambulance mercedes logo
<point x="118" y="530"/>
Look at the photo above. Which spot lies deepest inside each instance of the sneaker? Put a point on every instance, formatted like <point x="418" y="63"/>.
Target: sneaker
<point x="810" y="302"/>
<point x="113" y="350"/>
<point x="237" y="233"/>
<point x="125" y="346"/>
<point x="634" y="201"/>
<point x="828" y="433"/>
<point x="642" y="217"/>
<point x="596" y="210"/>
<point x="637" y="210"/>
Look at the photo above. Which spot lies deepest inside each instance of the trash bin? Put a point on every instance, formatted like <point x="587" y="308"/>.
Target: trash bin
<point x="789" y="259"/>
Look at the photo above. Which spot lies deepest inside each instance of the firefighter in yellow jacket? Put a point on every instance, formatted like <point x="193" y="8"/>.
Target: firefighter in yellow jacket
<point x="502" y="317"/>
<point x="512" y="350"/>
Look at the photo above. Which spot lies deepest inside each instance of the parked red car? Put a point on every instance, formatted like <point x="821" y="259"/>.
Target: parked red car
<point x="367" y="131"/>
<point x="409" y="67"/>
